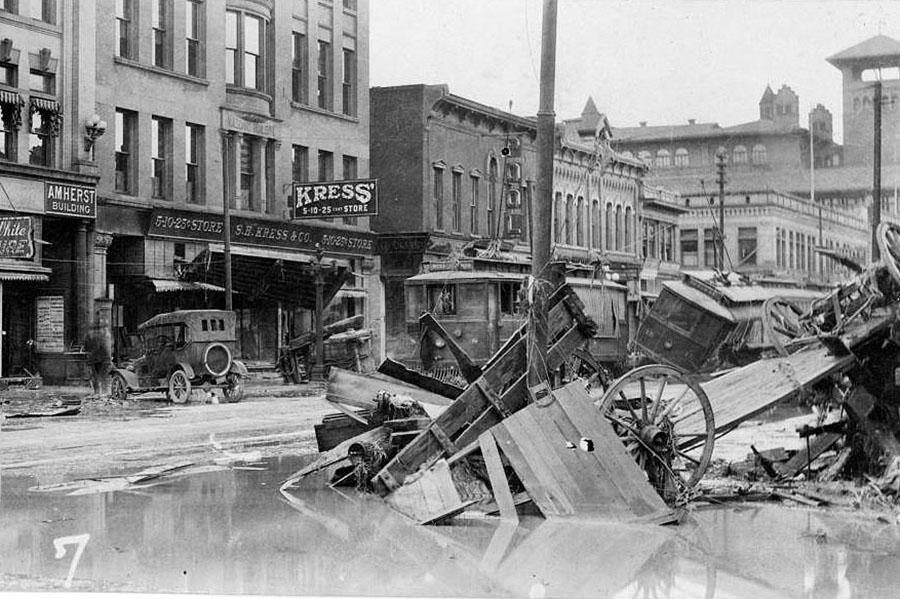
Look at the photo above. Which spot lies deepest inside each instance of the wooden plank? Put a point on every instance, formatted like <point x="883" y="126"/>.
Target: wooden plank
<point x="745" y="392"/>
<point x="600" y="483"/>
<point x="625" y="474"/>
<point x="351" y="413"/>
<point x="817" y="447"/>
<point x="543" y="497"/>
<point x="467" y="367"/>
<point x="397" y="371"/>
<point x="359" y="390"/>
<point x="499" y="484"/>
<point x="545" y="464"/>
<point x="432" y="495"/>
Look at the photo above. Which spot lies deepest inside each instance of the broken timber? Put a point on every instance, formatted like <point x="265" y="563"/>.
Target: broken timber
<point x="565" y="481"/>
<point x="503" y="376"/>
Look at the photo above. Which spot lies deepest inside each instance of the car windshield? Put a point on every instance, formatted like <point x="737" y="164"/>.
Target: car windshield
<point x="167" y="336"/>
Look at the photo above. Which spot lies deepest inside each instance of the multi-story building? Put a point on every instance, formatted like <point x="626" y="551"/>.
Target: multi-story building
<point x="426" y="140"/>
<point x="456" y="179"/>
<point x="660" y="211"/>
<point x="48" y="188"/>
<point x="204" y="101"/>
<point x="771" y="236"/>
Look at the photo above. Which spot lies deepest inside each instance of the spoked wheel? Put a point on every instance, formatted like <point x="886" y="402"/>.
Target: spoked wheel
<point x="234" y="388"/>
<point x="581" y="364"/>
<point x="118" y="388"/>
<point x="888" y="235"/>
<point x="665" y="420"/>
<point x="782" y="323"/>
<point x="179" y="387"/>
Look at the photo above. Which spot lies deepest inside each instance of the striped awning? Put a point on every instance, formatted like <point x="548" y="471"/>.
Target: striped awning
<point x="25" y="271"/>
<point x="8" y="97"/>
<point x="44" y="104"/>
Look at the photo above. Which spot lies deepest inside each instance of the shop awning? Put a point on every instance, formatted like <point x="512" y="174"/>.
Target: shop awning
<point x="169" y="286"/>
<point x="24" y="272"/>
<point x="8" y="97"/>
<point x="264" y="273"/>
<point x="45" y="104"/>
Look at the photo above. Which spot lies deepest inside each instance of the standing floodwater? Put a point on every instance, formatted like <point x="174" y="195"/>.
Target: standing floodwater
<point x="232" y="532"/>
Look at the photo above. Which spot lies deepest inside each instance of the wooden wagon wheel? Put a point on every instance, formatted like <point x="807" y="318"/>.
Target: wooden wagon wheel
<point x="665" y="420"/>
<point x="581" y="364"/>
<point x="888" y="235"/>
<point x="781" y="320"/>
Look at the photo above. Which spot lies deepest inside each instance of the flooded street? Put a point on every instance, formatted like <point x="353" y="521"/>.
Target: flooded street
<point x="231" y="531"/>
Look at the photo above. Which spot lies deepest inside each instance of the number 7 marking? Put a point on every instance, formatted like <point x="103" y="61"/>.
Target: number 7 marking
<point x="60" y="545"/>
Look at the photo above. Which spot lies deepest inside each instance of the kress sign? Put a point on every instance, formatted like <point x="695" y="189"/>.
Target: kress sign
<point x="358" y="197"/>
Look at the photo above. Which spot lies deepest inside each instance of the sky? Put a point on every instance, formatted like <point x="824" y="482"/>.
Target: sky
<point x="663" y="61"/>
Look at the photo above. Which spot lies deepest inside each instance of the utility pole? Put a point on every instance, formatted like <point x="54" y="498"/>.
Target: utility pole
<point x="542" y="216"/>
<point x="720" y="165"/>
<point x="876" y="174"/>
<point x="228" y="186"/>
<point x="319" y="369"/>
<point x="812" y="182"/>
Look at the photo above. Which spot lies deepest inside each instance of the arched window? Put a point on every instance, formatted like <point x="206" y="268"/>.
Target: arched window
<point x="492" y="197"/>
<point x="645" y="156"/>
<point x="570" y="220"/>
<point x="663" y="159"/>
<point x="739" y="155"/>
<point x="595" y="224"/>
<point x="628" y="231"/>
<point x="682" y="158"/>
<point x="619" y="228"/>
<point x="759" y="154"/>
<point x="608" y="230"/>
<point x="580" y="224"/>
<point x="559" y="217"/>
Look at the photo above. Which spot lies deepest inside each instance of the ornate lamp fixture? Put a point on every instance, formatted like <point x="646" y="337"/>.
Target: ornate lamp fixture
<point x="94" y="127"/>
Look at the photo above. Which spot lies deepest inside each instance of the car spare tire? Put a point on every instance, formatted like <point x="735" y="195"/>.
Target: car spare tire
<point x="217" y="359"/>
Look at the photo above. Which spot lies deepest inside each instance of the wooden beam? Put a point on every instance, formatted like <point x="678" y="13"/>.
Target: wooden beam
<point x="469" y="370"/>
<point x="499" y="484"/>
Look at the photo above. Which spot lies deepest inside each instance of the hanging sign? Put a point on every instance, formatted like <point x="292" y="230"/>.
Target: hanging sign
<point x="49" y="334"/>
<point x="16" y="237"/>
<point x="358" y="197"/>
<point x="70" y="200"/>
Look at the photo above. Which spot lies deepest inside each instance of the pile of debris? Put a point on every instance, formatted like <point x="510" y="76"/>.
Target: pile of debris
<point x="433" y="450"/>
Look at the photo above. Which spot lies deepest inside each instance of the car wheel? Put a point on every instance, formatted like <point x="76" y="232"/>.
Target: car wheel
<point x="179" y="387"/>
<point x="118" y="388"/>
<point x="234" y="388"/>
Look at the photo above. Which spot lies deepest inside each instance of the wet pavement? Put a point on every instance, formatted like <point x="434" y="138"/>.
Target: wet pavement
<point x="231" y="531"/>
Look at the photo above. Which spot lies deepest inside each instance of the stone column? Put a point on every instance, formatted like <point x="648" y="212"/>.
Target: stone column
<point x="99" y="288"/>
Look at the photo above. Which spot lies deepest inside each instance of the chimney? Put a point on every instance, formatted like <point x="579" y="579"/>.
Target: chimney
<point x="643" y="123"/>
<point x="692" y="121"/>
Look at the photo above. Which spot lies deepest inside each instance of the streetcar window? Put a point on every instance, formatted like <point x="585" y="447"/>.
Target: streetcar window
<point x="509" y="297"/>
<point x="441" y="299"/>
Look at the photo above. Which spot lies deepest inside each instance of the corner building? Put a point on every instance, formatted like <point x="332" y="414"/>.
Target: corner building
<point x="237" y="99"/>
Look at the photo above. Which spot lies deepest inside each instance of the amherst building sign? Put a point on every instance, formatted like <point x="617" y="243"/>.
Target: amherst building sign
<point x="358" y="197"/>
<point x="245" y="231"/>
<point x="70" y="200"/>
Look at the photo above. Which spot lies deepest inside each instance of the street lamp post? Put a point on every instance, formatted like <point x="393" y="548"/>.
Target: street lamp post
<point x="876" y="169"/>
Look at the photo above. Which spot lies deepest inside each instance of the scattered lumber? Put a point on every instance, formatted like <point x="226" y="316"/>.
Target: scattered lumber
<point x="500" y="391"/>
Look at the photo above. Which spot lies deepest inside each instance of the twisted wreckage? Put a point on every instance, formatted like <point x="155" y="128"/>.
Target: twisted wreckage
<point x="637" y="449"/>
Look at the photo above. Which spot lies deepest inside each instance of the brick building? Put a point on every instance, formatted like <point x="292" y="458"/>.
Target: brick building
<point x="196" y="95"/>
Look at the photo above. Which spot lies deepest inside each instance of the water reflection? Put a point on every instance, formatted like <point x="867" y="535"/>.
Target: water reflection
<point x="232" y="532"/>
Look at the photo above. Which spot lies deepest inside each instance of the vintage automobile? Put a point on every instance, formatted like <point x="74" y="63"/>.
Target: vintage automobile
<point x="183" y="350"/>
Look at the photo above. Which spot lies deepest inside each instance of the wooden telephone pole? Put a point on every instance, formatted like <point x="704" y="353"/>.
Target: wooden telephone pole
<point x="542" y="215"/>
